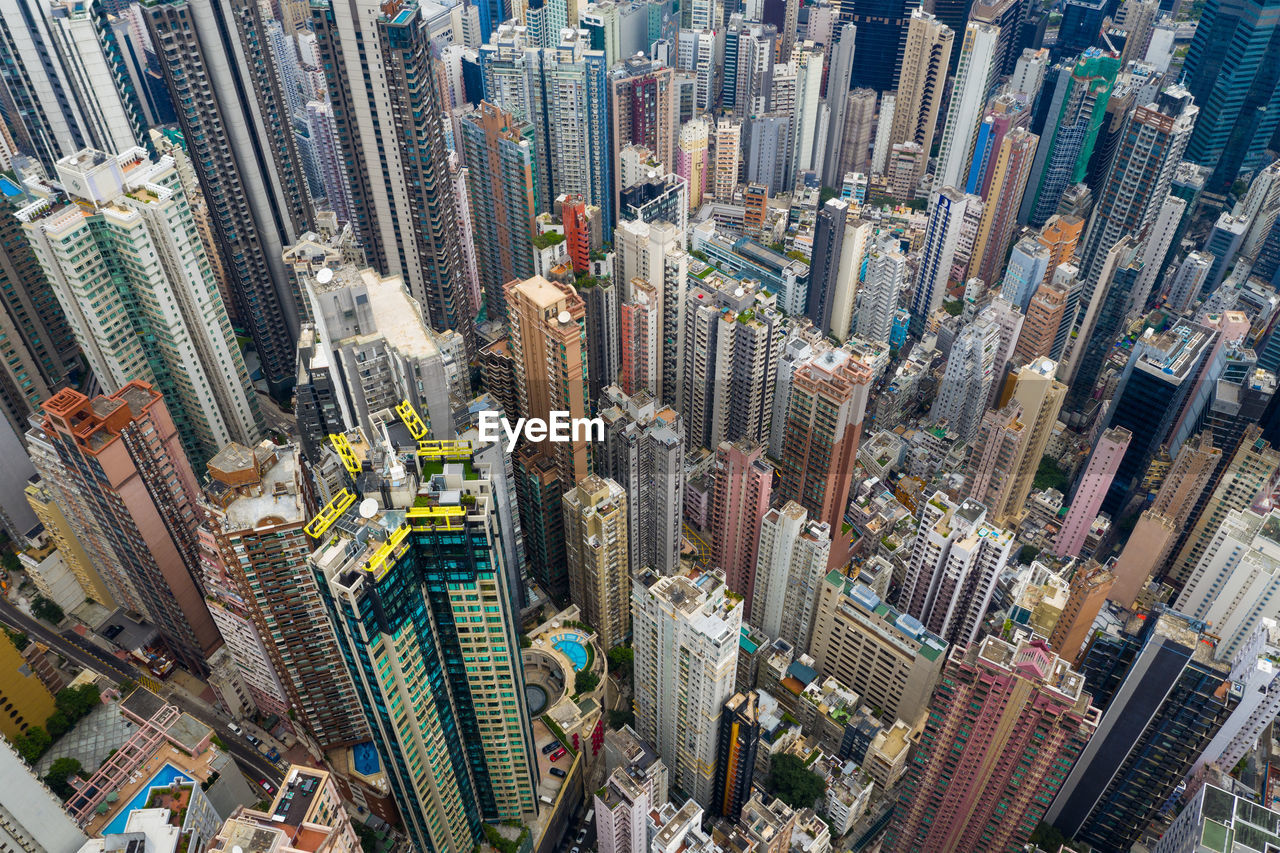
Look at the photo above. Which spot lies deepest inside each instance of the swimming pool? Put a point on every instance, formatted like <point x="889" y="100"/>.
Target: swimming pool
<point x="573" y="646"/>
<point x="163" y="778"/>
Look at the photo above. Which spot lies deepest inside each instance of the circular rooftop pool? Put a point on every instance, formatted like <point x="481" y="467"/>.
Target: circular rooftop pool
<point x="573" y="646"/>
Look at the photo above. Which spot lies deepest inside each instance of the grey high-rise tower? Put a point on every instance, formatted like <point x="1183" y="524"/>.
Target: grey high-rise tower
<point x="224" y="83"/>
<point x="391" y="136"/>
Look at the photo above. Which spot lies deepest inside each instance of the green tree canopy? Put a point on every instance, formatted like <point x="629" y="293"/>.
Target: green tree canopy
<point x="793" y="783"/>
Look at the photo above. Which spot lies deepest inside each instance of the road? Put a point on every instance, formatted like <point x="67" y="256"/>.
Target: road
<point x="702" y="551"/>
<point x="83" y="652"/>
<point x="275" y="418"/>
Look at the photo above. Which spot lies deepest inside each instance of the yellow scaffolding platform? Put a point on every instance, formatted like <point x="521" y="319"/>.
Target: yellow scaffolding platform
<point x="377" y="564"/>
<point x="444" y="449"/>
<point x="332" y="511"/>
<point x="345" y="452"/>
<point x="417" y="428"/>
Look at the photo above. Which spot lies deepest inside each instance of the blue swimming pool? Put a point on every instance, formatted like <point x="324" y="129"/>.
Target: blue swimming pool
<point x="365" y="757"/>
<point x="573" y="646"/>
<point x="164" y="777"/>
<point x="9" y="188"/>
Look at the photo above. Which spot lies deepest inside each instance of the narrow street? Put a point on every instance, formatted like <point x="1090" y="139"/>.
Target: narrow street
<point x="84" y="653"/>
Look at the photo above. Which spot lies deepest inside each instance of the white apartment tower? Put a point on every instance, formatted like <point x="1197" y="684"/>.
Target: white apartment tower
<point x="655" y="252"/>
<point x="954" y="566"/>
<point x="685" y="632"/>
<point x="791" y="563"/>
<point x="975" y="73"/>
<point x="598" y="557"/>
<point x="966" y="381"/>
<point x="130" y="272"/>
<point x="886" y="275"/>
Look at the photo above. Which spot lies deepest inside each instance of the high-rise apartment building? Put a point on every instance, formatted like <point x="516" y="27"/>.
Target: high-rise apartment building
<point x="256" y="505"/>
<point x="881" y="289"/>
<point x="1046" y="321"/>
<point x="952" y="572"/>
<point x="693" y="159"/>
<point x="1010" y="172"/>
<point x="441" y="688"/>
<point x="34" y="818"/>
<point x="924" y="71"/>
<point x="888" y="657"/>
<point x="119" y="475"/>
<point x="996" y="449"/>
<point x="64" y="86"/>
<point x="391" y="132"/>
<point x="41" y="497"/>
<point x="1090" y="491"/>
<point x="655" y="252"/>
<point x="736" y="753"/>
<point x="1232" y="585"/>
<point x="1028" y="265"/>
<point x="598" y="557"/>
<point x="790" y="565"/>
<point x="1005" y="726"/>
<point x="539" y="491"/>
<point x="727" y="151"/>
<point x="1153" y="537"/>
<point x="563" y="91"/>
<point x="948" y="209"/>
<point x="1077" y="105"/>
<point x="643" y="111"/>
<point x="971" y="370"/>
<point x="639" y="324"/>
<point x="1089" y="589"/>
<point x="824" y="261"/>
<point x="502" y="180"/>
<point x="1231" y="76"/>
<point x="128" y="267"/>
<point x="548" y="338"/>
<point x="1157" y="714"/>
<point x="223" y="79"/>
<point x="823" y="430"/>
<point x="976" y="71"/>
<point x="1251" y="470"/>
<point x="685" y="632"/>
<point x="644" y="452"/>
<point x="622" y="811"/>
<point x="742" y="484"/>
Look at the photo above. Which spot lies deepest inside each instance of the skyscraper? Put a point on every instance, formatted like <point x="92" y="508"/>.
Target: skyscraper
<point x="685" y="632"/>
<point x="1232" y="74"/>
<point x="882" y="27"/>
<point x="125" y="260"/>
<point x="953" y="568"/>
<point x="64" y="87"/>
<point x="599" y="559"/>
<point x="975" y="73"/>
<point x="442" y="695"/>
<point x="643" y="111"/>
<point x="1085" y="597"/>
<point x="1044" y="323"/>
<point x="391" y="136"/>
<point x="727" y="147"/>
<point x="125" y="486"/>
<point x="878" y="301"/>
<point x="1000" y="210"/>
<point x="736" y="754"/>
<point x="1157" y="714"/>
<point x="256" y="505"/>
<point x="223" y="79"/>
<point x="1004" y="728"/>
<point x="966" y="382"/>
<point x="824" y="428"/>
<point x="742" y="481"/>
<point x="824" y="262"/>
<point x="502" y="179"/>
<point x="644" y="452"/>
<point x="1153" y="537"/>
<point x="790" y="565"/>
<point x="548" y="335"/>
<point x="947" y="210"/>
<point x="924" y="72"/>
<point x="1075" y="108"/>
<point x="1090" y="491"/>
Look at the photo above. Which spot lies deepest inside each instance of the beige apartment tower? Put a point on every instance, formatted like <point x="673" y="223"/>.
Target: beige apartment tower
<point x="596" y="549"/>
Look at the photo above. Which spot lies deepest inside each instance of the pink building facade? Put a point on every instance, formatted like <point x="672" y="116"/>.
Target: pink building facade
<point x="739" y="500"/>
<point x="1093" y="488"/>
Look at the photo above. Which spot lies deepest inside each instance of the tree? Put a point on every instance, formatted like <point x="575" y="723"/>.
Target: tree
<point x="32" y="743"/>
<point x="59" y="772"/>
<point x="618" y="719"/>
<point x="585" y="681"/>
<point x="57" y="725"/>
<point x="621" y="661"/>
<point x="793" y="783"/>
<point x="19" y="640"/>
<point x="1049" y="475"/>
<point x="43" y="608"/>
<point x="1028" y="553"/>
<point x="76" y="702"/>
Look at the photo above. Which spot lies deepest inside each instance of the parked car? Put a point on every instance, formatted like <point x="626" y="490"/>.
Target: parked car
<point x="559" y="753"/>
<point x="234" y="729"/>
<point x="550" y="746"/>
<point x="556" y="771"/>
<point x="267" y="786"/>
<point x="253" y="740"/>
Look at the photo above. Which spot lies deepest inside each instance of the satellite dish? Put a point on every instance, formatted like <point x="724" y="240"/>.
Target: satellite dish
<point x="564" y="317"/>
<point x="368" y="509"/>
<point x="741" y="291"/>
<point x="323" y="277"/>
